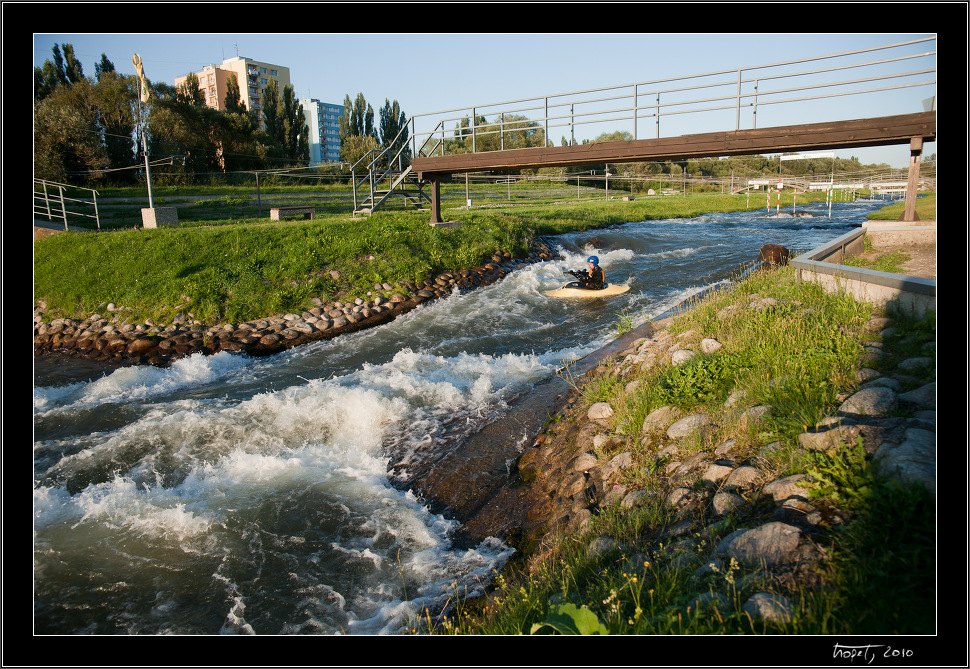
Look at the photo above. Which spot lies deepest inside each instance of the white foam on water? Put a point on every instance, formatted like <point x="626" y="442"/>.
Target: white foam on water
<point x="607" y="258"/>
<point x="139" y="382"/>
<point x="673" y="253"/>
<point x="178" y="475"/>
<point x="445" y="577"/>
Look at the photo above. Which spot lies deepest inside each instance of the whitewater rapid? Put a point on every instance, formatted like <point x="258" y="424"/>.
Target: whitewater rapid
<point x="236" y="495"/>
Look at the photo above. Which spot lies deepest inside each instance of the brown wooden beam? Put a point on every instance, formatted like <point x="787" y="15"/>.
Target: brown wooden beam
<point x="814" y="136"/>
<point x="912" y="184"/>
<point x="436" y="201"/>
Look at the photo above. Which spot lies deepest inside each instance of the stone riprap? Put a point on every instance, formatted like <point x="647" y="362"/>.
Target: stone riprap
<point x="112" y="339"/>
<point x="575" y="470"/>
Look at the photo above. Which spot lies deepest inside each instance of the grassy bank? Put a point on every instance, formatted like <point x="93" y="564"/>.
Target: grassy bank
<point x="801" y="358"/>
<point x="230" y="271"/>
<point x="925" y="210"/>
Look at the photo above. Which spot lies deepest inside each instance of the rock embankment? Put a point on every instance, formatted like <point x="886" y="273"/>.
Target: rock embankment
<point x="730" y="509"/>
<point x="112" y="339"/>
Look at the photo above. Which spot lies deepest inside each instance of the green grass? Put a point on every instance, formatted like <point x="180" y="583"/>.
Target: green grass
<point x="925" y="210"/>
<point x="881" y="572"/>
<point x="227" y="270"/>
<point x="886" y="262"/>
<point x="239" y="272"/>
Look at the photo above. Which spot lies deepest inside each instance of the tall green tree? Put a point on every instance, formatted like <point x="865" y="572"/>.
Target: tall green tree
<point x="63" y="70"/>
<point x="116" y="107"/>
<point x="69" y="69"/>
<point x="269" y="102"/>
<point x="285" y="124"/>
<point x="103" y="67"/>
<point x="233" y="102"/>
<point x="394" y="130"/>
<point x="294" y="131"/>
<point x="180" y="126"/>
<point x="67" y="139"/>
<point x="358" y="119"/>
<point x="190" y="93"/>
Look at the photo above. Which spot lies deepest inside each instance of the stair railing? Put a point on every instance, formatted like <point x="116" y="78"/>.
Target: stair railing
<point x="51" y="205"/>
<point x="378" y="165"/>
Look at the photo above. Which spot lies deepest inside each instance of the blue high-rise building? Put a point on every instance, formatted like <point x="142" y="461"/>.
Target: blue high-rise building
<point x="323" y="119"/>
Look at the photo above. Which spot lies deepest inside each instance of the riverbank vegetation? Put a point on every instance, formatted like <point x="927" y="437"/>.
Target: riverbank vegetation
<point x="879" y="574"/>
<point x="235" y="271"/>
<point x="231" y="271"/>
<point x="925" y="209"/>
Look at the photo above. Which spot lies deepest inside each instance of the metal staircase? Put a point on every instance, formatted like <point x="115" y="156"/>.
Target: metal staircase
<point x="376" y="186"/>
<point x="383" y="176"/>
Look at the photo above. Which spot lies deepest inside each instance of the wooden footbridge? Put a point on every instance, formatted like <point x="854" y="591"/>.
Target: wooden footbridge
<point x="747" y="89"/>
<point x="912" y="129"/>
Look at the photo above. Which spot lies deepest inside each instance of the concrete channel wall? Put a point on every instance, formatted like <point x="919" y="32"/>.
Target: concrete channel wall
<point x="908" y="294"/>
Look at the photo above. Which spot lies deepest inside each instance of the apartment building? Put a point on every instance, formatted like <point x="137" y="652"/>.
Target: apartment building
<point x="323" y="120"/>
<point x="253" y="76"/>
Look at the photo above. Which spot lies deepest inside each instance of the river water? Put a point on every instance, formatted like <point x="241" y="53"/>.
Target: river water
<point x="236" y="495"/>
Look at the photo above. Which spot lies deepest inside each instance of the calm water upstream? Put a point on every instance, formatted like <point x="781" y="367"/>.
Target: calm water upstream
<point x="255" y="496"/>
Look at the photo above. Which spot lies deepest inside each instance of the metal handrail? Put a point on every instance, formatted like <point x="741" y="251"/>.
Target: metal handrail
<point x="656" y="99"/>
<point x="43" y="200"/>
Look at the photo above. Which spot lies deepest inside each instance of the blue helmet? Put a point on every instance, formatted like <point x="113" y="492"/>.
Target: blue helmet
<point x="594" y="260"/>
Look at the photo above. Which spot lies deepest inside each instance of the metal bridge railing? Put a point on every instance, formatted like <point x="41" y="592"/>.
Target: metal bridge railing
<point x="741" y="91"/>
<point x="50" y="201"/>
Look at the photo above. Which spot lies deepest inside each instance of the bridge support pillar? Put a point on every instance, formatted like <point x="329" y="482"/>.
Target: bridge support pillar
<point x="912" y="184"/>
<point x="436" y="201"/>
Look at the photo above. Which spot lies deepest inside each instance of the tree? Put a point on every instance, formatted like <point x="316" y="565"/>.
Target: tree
<point x="355" y="147"/>
<point x="344" y="120"/>
<point x="393" y="130"/>
<point x="116" y="103"/>
<point x="67" y="140"/>
<point x="293" y="131"/>
<point x="178" y="126"/>
<point x="233" y="102"/>
<point x="238" y="139"/>
<point x="284" y="123"/>
<point x="357" y="132"/>
<point x="518" y="132"/>
<point x="462" y="142"/>
<point x="62" y="71"/>
<point x="189" y="92"/>
<point x="358" y="119"/>
<point x="270" y="104"/>
<point x="103" y="67"/>
<point x="69" y="69"/>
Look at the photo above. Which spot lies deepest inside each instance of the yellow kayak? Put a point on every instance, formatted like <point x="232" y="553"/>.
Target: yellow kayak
<point x="574" y="289"/>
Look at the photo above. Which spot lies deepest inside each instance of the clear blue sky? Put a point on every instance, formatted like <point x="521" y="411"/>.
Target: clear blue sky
<point x="433" y="72"/>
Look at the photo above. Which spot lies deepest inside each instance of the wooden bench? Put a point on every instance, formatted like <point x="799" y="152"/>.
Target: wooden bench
<point x="277" y="213"/>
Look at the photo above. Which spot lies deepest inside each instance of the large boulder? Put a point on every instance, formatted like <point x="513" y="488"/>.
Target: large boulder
<point x="774" y="254"/>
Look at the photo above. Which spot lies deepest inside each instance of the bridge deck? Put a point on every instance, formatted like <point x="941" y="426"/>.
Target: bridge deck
<point x="815" y="136"/>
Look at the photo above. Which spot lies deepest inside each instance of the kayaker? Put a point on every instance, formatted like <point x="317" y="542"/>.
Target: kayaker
<point x="596" y="278"/>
